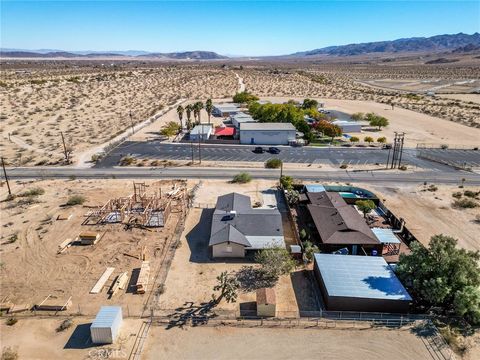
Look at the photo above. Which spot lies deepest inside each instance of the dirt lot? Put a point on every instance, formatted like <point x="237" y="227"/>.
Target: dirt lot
<point x="418" y="128"/>
<point x="30" y="236"/>
<point x="36" y="339"/>
<point x="430" y="212"/>
<point x="192" y="258"/>
<point x="263" y="343"/>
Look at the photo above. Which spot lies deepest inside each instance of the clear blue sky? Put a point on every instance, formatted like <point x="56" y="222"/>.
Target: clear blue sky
<point x="227" y="27"/>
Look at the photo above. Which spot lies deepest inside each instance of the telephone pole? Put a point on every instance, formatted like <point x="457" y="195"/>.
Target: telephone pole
<point x="131" y="121"/>
<point x="6" y="177"/>
<point x="65" y="152"/>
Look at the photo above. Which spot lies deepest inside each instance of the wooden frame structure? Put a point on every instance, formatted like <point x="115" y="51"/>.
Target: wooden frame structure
<point x="140" y="208"/>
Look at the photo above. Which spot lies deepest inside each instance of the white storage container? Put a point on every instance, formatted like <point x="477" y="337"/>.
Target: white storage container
<point x="106" y="326"/>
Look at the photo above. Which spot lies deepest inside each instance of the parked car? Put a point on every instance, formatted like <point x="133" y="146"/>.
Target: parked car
<point x="387" y="146"/>
<point x="258" y="150"/>
<point x="274" y="150"/>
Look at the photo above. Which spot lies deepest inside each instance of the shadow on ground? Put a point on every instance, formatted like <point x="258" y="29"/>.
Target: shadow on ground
<point x="80" y="338"/>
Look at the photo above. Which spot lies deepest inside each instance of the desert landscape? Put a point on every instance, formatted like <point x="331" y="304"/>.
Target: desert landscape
<point x="91" y="102"/>
<point x="219" y="180"/>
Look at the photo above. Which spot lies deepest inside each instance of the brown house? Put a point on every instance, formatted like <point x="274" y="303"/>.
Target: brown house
<point x="338" y="225"/>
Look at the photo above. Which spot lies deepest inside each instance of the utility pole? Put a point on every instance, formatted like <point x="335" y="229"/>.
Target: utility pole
<point x="401" y="140"/>
<point x="281" y="170"/>
<point x="388" y="157"/>
<point x="191" y="146"/>
<point x="131" y="121"/>
<point x="6" y="178"/>
<point x="199" y="147"/>
<point x="395" y="150"/>
<point x="65" y="152"/>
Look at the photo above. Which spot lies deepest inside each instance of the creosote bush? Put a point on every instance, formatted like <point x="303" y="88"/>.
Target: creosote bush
<point x="242" y="178"/>
<point x="273" y="163"/>
<point x="75" y="200"/>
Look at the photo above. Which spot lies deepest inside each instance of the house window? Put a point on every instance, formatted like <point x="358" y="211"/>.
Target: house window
<point x="229" y="249"/>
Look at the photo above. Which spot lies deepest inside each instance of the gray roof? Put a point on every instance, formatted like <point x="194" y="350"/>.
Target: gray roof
<point x="234" y="220"/>
<point x="267" y="126"/>
<point x="228" y="107"/>
<point x="367" y="277"/>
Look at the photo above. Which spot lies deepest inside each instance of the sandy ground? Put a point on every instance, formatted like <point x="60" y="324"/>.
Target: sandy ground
<point x="93" y="107"/>
<point x="91" y="104"/>
<point x="262" y="343"/>
<point x="462" y="97"/>
<point x="36" y="338"/>
<point x="429" y="213"/>
<point x="418" y="128"/>
<point x="31" y="268"/>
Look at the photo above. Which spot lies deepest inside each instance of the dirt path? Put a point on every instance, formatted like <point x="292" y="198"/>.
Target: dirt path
<point x="241" y="84"/>
<point x="264" y="343"/>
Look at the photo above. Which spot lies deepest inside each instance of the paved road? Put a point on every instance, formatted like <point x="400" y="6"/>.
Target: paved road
<point x="243" y="153"/>
<point x="227" y="173"/>
<point x="462" y="158"/>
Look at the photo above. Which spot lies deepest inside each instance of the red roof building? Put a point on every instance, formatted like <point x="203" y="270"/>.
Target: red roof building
<point x="224" y="131"/>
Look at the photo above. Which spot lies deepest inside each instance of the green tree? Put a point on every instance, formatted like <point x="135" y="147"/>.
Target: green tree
<point x="354" y="139"/>
<point x="244" y="97"/>
<point x="275" y="262"/>
<point x="382" y="140"/>
<point x="309" y="104"/>
<point x="376" y="120"/>
<point x="309" y="250"/>
<point x="180" y="110"/>
<point x="368" y="139"/>
<point x="365" y="206"/>
<point x="358" y="116"/>
<point x="197" y="109"/>
<point x="286" y="182"/>
<point x="170" y="129"/>
<point x="228" y="287"/>
<point x="443" y="276"/>
<point x="209" y="108"/>
<point x="189" y="110"/>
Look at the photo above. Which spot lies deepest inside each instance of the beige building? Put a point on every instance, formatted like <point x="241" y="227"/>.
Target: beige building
<point x="266" y="302"/>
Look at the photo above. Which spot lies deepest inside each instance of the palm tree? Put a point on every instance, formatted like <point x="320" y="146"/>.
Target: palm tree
<point x="180" y="114"/>
<point x="198" y="106"/>
<point x="189" y="109"/>
<point x="209" y="108"/>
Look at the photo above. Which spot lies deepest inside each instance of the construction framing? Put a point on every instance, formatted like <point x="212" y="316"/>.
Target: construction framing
<point x="140" y="208"/>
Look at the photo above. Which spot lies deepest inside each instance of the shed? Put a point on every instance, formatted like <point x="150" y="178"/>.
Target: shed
<point x="106" y="326"/>
<point x="359" y="283"/>
<point x="266" y="302"/>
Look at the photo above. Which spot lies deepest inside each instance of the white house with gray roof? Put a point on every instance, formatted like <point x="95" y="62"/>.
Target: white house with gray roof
<point x="238" y="228"/>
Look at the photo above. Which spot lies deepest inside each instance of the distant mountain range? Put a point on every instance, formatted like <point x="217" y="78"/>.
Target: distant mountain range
<point x="51" y="53"/>
<point x="455" y="43"/>
<point x="439" y="43"/>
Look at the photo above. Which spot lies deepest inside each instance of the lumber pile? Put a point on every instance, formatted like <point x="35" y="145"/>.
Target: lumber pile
<point x="64" y="245"/>
<point x="119" y="283"/>
<point x="143" y="276"/>
<point x="88" y="237"/>
<point x="103" y="279"/>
